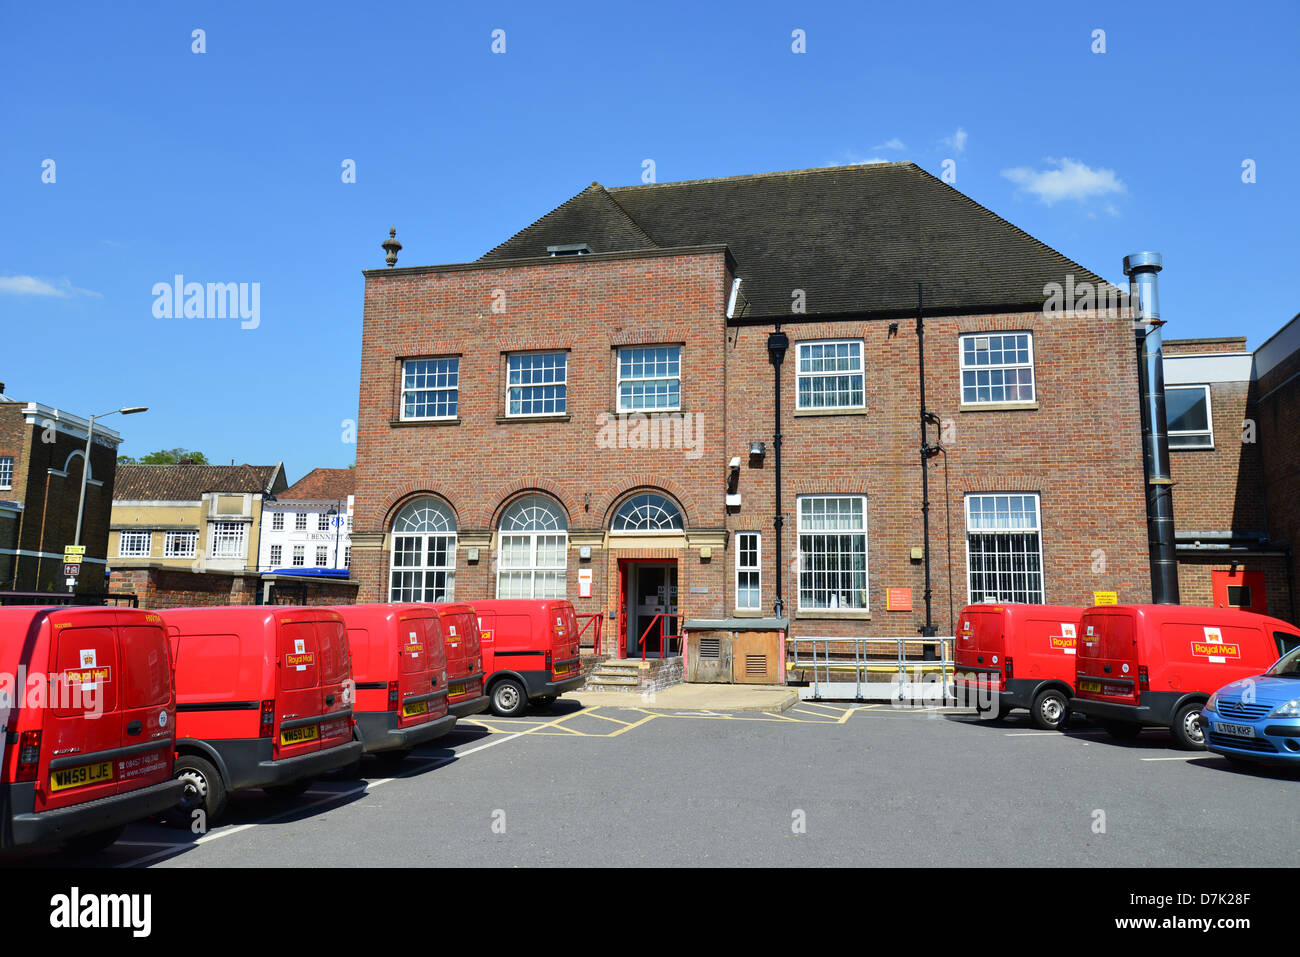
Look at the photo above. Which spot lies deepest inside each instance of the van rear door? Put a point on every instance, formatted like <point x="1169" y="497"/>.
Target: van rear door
<point x="335" y="682"/>
<point x="1112" y="649"/>
<point x="298" y="697"/>
<point x="564" y="639"/>
<point x="82" y="719"/>
<point x="148" y="705"/>
<point x="415" y="675"/>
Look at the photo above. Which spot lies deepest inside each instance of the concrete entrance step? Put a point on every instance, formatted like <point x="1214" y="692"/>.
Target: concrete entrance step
<point x="628" y="674"/>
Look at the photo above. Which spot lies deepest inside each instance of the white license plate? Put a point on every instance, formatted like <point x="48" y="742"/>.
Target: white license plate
<point x="1236" y="730"/>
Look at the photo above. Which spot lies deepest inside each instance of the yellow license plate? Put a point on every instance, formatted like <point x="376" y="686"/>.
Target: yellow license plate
<point x="561" y="669"/>
<point x="457" y="688"/>
<point x="1093" y="686"/>
<point x="80" y="777"/>
<point x="308" y="732"/>
<point x="415" y="707"/>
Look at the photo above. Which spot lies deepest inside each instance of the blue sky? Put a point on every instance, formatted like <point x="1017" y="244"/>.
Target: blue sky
<point x="225" y="166"/>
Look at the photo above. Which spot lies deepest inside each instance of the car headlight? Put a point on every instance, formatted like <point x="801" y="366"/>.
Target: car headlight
<point x="1213" y="703"/>
<point x="1289" y="710"/>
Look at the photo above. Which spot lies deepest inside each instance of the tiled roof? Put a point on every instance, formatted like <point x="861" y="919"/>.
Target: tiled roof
<point x="322" y="485"/>
<point x="855" y="239"/>
<point x="188" y="483"/>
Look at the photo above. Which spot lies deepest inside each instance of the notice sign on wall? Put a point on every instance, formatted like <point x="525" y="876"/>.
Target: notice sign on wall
<point x="1105" y="598"/>
<point x="584" y="582"/>
<point x="898" y="599"/>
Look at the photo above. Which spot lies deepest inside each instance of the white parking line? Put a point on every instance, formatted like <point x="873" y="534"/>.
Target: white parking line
<point x="1179" y="757"/>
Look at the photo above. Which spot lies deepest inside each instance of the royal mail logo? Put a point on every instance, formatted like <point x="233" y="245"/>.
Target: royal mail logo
<point x="86" y="676"/>
<point x="300" y="661"/>
<point x="1091" y="636"/>
<point x="1060" y="641"/>
<point x="87" y="657"/>
<point x="414" y="648"/>
<point x="299" y="646"/>
<point x="965" y="626"/>
<point x="1215" y="649"/>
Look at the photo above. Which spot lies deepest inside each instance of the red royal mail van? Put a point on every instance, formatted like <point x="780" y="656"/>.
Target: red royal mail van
<point x="263" y="700"/>
<point x="1156" y="665"/>
<point x="530" y="651"/>
<point x="87" y="705"/>
<point x="1017" y="656"/>
<point x="400" y="669"/>
<point x="464" y="659"/>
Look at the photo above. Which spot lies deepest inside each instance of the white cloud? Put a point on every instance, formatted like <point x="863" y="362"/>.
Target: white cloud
<point x="891" y="144"/>
<point x="31" y="286"/>
<point x="1070" y="180"/>
<point x="956" y="142"/>
<point x="849" y="158"/>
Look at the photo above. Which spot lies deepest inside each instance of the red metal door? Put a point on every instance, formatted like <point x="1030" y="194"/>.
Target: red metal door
<point x="1239" y="589"/>
<point x="622" y="609"/>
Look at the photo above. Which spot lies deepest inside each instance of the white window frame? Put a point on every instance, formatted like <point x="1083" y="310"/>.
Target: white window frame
<point x="755" y="570"/>
<point x="277" y="521"/>
<point x="300" y="521"/>
<point x="562" y="402"/>
<point x="277" y="556"/>
<point x="860" y="373"/>
<point x="322" y="521"/>
<point x="6" y="472"/>
<point x="643" y="501"/>
<point x="620" y="379"/>
<point x="1207" y="432"/>
<point x="1003" y="367"/>
<point x="228" y="540"/>
<point x="453" y="376"/>
<point x="299" y="558"/>
<point x="322" y="556"/>
<point x="807" y="557"/>
<point x="1026" y="595"/>
<point x="532" y="536"/>
<point x="143" y="547"/>
<point x="170" y="539"/>
<point x="347" y="556"/>
<point x="423" y="527"/>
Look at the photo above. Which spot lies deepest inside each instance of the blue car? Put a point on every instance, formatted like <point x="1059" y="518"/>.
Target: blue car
<point x="1257" y="719"/>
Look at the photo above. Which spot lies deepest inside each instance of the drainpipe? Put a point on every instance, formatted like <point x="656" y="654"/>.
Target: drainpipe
<point x="928" y="452"/>
<point x="777" y="344"/>
<point x="1141" y="268"/>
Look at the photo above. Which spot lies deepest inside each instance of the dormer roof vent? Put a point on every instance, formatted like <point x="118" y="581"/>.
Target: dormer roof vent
<point x="569" y="249"/>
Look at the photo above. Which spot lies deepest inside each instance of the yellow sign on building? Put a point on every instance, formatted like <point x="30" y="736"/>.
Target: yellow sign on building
<point x="1105" y="598"/>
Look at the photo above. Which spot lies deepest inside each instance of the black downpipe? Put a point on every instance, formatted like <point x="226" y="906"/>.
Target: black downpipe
<point x="928" y="452"/>
<point x="777" y="344"/>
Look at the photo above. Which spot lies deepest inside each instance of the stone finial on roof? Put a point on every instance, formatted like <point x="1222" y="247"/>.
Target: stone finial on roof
<point x="391" y="247"/>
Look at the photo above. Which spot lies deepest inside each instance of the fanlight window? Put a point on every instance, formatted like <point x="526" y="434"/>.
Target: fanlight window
<point x="647" y="513"/>
<point x="534" y="544"/>
<point x="423" y="561"/>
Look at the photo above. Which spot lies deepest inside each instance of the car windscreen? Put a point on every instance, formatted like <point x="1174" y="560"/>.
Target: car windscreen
<point x="1288" y="666"/>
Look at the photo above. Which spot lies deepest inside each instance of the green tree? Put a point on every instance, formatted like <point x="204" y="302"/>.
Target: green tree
<point x="166" y="457"/>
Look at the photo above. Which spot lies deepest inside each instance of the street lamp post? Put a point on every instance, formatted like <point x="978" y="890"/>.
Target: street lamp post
<point x="85" y="466"/>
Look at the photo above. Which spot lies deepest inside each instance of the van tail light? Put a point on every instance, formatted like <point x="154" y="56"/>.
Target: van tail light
<point x="29" y="755"/>
<point x="268" y="719"/>
<point x="1007" y="671"/>
<point x="392" y="696"/>
<point x="548" y="661"/>
<point x="1144" y="683"/>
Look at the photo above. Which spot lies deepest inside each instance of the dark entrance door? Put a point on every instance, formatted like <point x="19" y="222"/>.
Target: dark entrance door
<point x="651" y="591"/>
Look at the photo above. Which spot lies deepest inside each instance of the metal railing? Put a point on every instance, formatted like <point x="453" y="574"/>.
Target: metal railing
<point x="663" y="622"/>
<point x="822" y="664"/>
<point x="598" y="618"/>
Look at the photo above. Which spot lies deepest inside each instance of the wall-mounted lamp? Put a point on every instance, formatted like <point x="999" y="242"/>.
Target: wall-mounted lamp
<point x="733" y="500"/>
<point x="471" y="555"/>
<point x="893" y="329"/>
<point x="584" y="552"/>
<point x="757" y="450"/>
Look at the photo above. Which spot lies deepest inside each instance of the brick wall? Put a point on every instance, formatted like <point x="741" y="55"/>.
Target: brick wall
<point x="1079" y="450"/>
<point x="172" y="588"/>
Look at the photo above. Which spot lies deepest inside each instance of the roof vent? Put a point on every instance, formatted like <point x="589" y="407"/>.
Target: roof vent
<point x="570" y="249"/>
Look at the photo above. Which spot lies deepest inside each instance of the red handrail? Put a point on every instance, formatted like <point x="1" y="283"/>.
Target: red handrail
<point x="663" y="621"/>
<point x="598" y="618"/>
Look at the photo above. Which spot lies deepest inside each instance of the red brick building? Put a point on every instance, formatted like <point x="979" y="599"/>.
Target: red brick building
<point x="1234" y="417"/>
<point x="590" y="410"/>
<point x="42" y="457"/>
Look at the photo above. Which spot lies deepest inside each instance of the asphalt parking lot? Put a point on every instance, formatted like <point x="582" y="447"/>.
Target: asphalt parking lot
<point x="820" y="785"/>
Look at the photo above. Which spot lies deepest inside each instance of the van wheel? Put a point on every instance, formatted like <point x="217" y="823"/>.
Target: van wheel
<point x="1189" y="735"/>
<point x="1122" y="730"/>
<point x="93" y="843"/>
<point x="1051" y="710"/>
<point x="508" y="698"/>
<point x="289" y="790"/>
<point x="204" y="791"/>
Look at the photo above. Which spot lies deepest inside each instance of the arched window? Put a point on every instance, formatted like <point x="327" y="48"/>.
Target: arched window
<point x="534" y="549"/>
<point x="647" y="513"/>
<point x="423" y="565"/>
